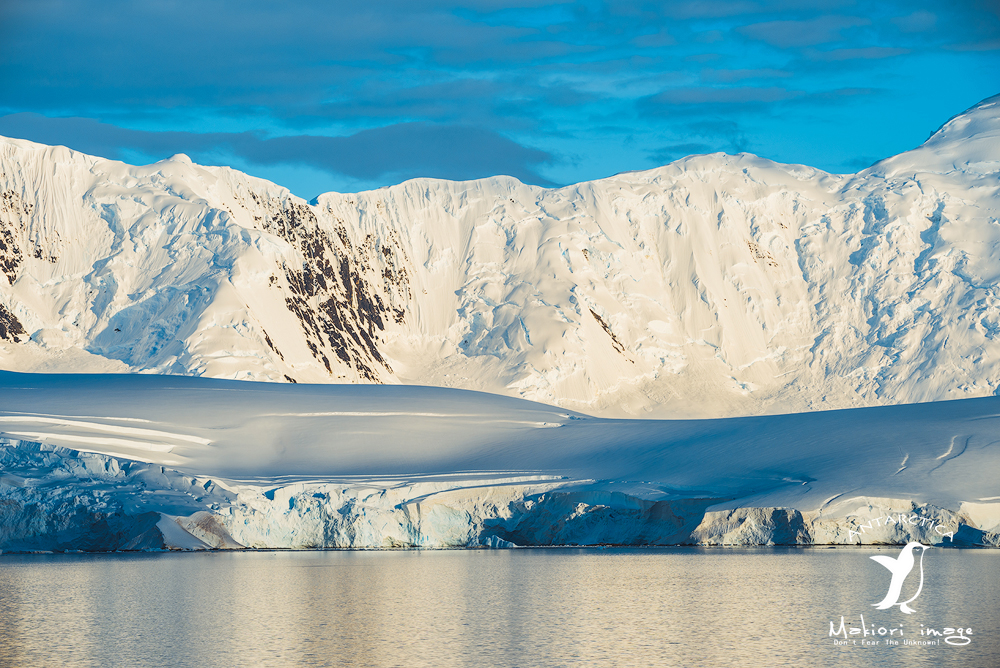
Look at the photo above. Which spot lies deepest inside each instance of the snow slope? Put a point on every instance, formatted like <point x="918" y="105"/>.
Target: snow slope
<point x="718" y="285"/>
<point x="195" y="462"/>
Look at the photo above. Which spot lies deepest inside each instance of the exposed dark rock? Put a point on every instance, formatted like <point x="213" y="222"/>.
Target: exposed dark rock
<point x="14" y="216"/>
<point x="10" y="327"/>
<point x="340" y="312"/>
<point x="614" y="339"/>
<point x="270" y="344"/>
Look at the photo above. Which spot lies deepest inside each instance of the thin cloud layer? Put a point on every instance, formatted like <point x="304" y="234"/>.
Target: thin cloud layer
<point x="400" y="151"/>
<point x="793" y="34"/>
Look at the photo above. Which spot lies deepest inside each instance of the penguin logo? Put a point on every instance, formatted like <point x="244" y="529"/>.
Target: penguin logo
<point x="900" y="567"/>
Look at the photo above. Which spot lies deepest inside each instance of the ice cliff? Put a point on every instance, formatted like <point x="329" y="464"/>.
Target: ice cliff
<point x="147" y="462"/>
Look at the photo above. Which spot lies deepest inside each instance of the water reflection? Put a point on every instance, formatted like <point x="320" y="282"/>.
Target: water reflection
<point x="668" y="607"/>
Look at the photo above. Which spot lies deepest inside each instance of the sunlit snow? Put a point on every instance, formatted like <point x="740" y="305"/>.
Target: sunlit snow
<point x="717" y="285"/>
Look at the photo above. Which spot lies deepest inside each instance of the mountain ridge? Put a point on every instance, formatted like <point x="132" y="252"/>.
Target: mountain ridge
<point x="716" y="285"/>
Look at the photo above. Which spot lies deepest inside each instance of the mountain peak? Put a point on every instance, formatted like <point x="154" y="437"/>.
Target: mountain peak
<point x="976" y="121"/>
<point x="968" y="142"/>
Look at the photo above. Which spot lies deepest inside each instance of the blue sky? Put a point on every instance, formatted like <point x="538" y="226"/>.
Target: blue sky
<point x="321" y="96"/>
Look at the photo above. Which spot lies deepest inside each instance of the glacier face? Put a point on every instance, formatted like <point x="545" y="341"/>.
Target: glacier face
<point x="717" y="285"/>
<point x="66" y="500"/>
<point x="106" y="462"/>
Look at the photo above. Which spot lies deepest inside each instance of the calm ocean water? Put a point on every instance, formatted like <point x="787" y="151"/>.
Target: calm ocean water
<point x="533" y="607"/>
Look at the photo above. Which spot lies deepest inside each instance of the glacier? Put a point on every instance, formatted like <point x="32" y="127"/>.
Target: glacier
<point x="142" y="462"/>
<point x="718" y="285"/>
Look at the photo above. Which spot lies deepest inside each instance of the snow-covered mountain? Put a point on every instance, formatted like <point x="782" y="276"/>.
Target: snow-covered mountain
<point x="716" y="285"/>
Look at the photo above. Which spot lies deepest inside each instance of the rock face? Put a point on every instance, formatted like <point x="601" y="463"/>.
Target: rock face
<point x="717" y="285"/>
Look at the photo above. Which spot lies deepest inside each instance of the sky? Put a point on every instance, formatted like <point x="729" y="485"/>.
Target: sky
<point x="348" y="96"/>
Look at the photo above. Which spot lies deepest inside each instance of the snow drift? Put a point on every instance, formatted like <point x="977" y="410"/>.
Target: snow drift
<point x="717" y="285"/>
<point x="97" y="462"/>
